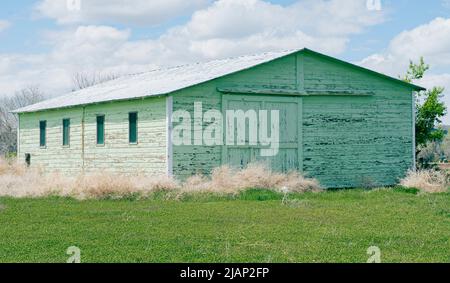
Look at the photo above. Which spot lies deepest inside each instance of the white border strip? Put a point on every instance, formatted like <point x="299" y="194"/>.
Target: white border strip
<point x="169" y="149"/>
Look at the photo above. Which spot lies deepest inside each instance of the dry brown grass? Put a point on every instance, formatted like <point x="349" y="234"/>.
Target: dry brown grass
<point x="19" y="181"/>
<point x="427" y="181"/>
<point x="227" y="180"/>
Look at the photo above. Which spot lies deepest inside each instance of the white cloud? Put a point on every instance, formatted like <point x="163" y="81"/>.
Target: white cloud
<point x="436" y="80"/>
<point x="86" y="45"/>
<point x="139" y="12"/>
<point x="225" y="28"/>
<point x="4" y="25"/>
<point x="432" y="41"/>
<point x="235" y="27"/>
<point x="86" y="48"/>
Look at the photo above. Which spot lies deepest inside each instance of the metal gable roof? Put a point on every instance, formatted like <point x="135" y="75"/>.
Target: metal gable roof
<point x="164" y="81"/>
<point x="156" y="82"/>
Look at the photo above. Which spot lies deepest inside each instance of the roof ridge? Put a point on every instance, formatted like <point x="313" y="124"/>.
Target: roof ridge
<point x="209" y="61"/>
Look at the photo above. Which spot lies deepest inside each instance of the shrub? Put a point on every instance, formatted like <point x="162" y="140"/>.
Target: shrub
<point x="225" y="179"/>
<point x="18" y="181"/>
<point x="428" y="181"/>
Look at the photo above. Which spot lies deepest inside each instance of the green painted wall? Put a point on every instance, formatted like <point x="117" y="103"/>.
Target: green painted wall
<point x="189" y="160"/>
<point x="117" y="155"/>
<point x="355" y="141"/>
<point x="363" y="138"/>
<point x="353" y="128"/>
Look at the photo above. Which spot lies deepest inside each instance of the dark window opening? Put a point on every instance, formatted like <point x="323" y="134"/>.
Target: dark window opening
<point x="28" y="159"/>
<point x="100" y="130"/>
<point x="133" y="128"/>
<point x="66" y="132"/>
<point x="42" y="133"/>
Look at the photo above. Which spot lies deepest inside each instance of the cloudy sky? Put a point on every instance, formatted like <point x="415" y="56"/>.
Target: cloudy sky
<point x="45" y="42"/>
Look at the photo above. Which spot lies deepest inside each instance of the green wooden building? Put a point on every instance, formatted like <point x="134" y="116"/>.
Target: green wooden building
<point x="344" y="125"/>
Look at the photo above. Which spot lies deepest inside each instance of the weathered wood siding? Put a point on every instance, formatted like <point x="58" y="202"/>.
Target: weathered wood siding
<point x="189" y="160"/>
<point x="357" y="128"/>
<point x="54" y="157"/>
<point x="117" y="155"/>
<point x="352" y="141"/>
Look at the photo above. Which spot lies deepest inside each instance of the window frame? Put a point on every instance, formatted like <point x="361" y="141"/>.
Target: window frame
<point x="136" y="126"/>
<point x="68" y="132"/>
<point x="43" y="145"/>
<point x="97" y="131"/>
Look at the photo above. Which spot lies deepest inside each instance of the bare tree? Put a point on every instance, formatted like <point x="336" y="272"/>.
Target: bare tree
<point x="9" y="121"/>
<point x="83" y="80"/>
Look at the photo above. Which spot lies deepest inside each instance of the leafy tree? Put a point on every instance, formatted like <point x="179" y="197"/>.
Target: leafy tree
<point x="429" y="108"/>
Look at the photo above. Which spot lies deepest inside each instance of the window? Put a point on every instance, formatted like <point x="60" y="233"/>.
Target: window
<point x="66" y="132"/>
<point x="42" y="133"/>
<point x="28" y="159"/>
<point x="132" y="132"/>
<point x="101" y="130"/>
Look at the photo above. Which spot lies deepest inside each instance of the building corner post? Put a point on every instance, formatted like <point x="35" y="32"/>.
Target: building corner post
<point x="83" y="122"/>
<point x="18" y="137"/>
<point x="169" y="144"/>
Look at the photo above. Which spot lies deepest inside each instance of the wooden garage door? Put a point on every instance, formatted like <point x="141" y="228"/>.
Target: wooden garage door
<point x="289" y="156"/>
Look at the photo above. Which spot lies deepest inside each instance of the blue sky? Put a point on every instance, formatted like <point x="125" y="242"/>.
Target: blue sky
<point x="44" y="44"/>
<point x="24" y="35"/>
<point x="27" y="26"/>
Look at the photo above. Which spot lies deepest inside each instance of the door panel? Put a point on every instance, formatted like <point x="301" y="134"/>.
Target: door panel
<point x="289" y="153"/>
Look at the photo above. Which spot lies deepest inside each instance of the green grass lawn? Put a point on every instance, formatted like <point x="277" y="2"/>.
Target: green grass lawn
<point x="336" y="226"/>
